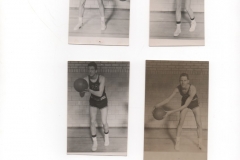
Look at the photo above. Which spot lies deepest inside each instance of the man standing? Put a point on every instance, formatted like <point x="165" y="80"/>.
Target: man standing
<point x="98" y="100"/>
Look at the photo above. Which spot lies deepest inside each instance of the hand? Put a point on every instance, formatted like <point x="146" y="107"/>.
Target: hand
<point x="86" y="90"/>
<point x="167" y="114"/>
<point x="154" y="107"/>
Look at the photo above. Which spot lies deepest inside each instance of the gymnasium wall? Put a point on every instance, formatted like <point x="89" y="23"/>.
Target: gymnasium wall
<point x="162" y="77"/>
<point x="107" y="4"/>
<point x="116" y="86"/>
<point x="169" y="5"/>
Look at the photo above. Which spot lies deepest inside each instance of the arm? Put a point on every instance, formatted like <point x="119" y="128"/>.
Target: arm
<point x="167" y="100"/>
<point x="101" y="87"/>
<point x="192" y="93"/>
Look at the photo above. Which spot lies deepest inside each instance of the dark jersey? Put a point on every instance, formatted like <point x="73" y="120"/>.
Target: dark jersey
<point x="193" y="103"/>
<point x="96" y="101"/>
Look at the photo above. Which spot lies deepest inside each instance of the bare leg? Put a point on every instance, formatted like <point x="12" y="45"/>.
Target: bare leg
<point x="191" y="15"/>
<point x="80" y="14"/>
<point x="93" y="115"/>
<point x="178" y="17"/>
<point x="104" y="112"/>
<point x="196" y="112"/>
<point x="179" y="128"/>
<point x="101" y="9"/>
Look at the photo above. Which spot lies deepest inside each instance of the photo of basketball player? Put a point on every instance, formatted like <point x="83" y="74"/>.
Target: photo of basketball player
<point x="179" y="16"/>
<point x="176" y="110"/>
<point x="98" y="107"/>
<point x="81" y="12"/>
<point x="189" y="101"/>
<point x="99" y="22"/>
<point x="98" y="100"/>
<point x="176" y="23"/>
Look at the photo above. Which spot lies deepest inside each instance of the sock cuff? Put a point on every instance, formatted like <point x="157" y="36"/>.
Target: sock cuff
<point x="94" y="136"/>
<point x="106" y="132"/>
<point x="178" y="22"/>
<point x="192" y="18"/>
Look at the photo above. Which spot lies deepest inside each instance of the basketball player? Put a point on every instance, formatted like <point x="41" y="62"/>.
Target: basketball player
<point x="189" y="101"/>
<point x="98" y="100"/>
<point x="81" y="11"/>
<point x="178" y="16"/>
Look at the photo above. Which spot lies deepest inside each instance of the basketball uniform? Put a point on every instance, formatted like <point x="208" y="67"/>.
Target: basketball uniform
<point x="193" y="103"/>
<point x="95" y="101"/>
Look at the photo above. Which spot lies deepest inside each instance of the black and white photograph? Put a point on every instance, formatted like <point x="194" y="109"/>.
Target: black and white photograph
<point x="99" y="22"/>
<point x="176" y="23"/>
<point x="97" y="108"/>
<point x="176" y="110"/>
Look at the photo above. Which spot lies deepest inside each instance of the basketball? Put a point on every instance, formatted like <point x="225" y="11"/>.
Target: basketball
<point x="158" y="113"/>
<point x="80" y="85"/>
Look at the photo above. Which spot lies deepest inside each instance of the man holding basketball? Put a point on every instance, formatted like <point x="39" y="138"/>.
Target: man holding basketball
<point x="189" y="101"/>
<point x="98" y="100"/>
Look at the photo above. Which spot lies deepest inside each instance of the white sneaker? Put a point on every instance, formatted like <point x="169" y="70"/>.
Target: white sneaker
<point x="193" y="25"/>
<point x="94" y="146"/>
<point x="106" y="139"/>
<point x="79" y="25"/>
<point x="103" y="24"/>
<point x="178" y="30"/>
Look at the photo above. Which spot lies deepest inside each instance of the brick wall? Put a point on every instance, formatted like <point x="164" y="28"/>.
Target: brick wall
<point x="116" y="86"/>
<point x="161" y="79"/>
<point x="107" y="4"/>
<point x="169" y="5"/>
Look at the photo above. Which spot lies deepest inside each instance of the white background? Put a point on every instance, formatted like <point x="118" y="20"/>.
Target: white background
<point x="33" y="74"/>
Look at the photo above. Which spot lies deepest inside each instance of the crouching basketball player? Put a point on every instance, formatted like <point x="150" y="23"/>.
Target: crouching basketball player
<point x="189" y="101"/>
<point x="98" y="100"/>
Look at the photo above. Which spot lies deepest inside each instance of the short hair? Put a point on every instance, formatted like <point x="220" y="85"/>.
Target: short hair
<point x="93" y="64"/>
<point x="183" y="75"/>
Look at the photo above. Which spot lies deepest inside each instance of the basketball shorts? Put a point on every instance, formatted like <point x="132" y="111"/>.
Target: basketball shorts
<point x="99" y="104"/>
<point x="192" y="104"/>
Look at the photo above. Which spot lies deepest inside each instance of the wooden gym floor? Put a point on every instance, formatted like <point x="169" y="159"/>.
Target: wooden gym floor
<point x="79" y="141"/>
<point x="163" y="25"/>
<point x="160" y="142"/>
<point x="117" y="21"/>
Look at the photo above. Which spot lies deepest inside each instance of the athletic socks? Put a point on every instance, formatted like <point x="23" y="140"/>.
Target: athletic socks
<point x="103" y="25"/>
<point x="193" y="25"/>
<point x="106" y="139"/>
<point x="200" y="143"/>
<point x="79" y="25"/>
<point x="178" y="30"/>
<point x="94" y="146"/>
<point x="177" y="143"/>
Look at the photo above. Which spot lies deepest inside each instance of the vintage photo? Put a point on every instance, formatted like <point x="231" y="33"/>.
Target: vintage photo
<point x="97" y="120"/>
<point x="176" y="23"/>
<point x="100" y="22"/>
<point x="176" y="110"/>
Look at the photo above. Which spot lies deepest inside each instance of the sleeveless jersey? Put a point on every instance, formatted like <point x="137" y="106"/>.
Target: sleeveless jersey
<point x="193" y="103"/>
<point x="95" y="87"/>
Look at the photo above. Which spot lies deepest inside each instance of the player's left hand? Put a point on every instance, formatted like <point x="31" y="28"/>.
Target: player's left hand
<point x="167" y="114"/>
<point x="86" y="90"/>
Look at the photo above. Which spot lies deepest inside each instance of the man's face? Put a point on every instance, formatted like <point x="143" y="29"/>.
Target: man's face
<point x="184" y="81"/>
<point x="91" y="71"/>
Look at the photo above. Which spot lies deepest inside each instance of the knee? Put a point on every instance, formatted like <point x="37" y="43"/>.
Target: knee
<point x="178" y="7"/>
<point x="100" y="3"/>
<point x="187" y="8"/>
<point x="180" y="124"/>
<point x="82" y="2"/>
